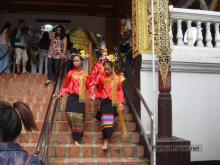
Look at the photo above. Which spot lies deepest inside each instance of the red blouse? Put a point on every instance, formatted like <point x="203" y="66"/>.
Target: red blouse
<point x="108" y="84"/>
<point x="98" y="69"/>
<point x="77" y="82"/>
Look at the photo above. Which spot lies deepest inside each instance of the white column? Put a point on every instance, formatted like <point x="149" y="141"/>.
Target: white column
<point x="217" y="36"/>
<point x="208" y="35"/>
<point x="199" y="35"/>
<point x="179" y="33"/>
<point x="189" y="33"/>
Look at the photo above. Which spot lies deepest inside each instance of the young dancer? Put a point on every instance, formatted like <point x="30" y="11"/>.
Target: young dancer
<point x="112" y="97"/>
<point x="76" y="85"/>
<point x="97" y="70"/>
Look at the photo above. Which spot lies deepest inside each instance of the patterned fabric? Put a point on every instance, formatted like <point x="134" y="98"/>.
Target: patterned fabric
<point x="14" y="154"/>
<point x="56" y="49"/>
<point x="76" y="124"/>
<point x="108" y="113"/>
<point x="107" y="121"/>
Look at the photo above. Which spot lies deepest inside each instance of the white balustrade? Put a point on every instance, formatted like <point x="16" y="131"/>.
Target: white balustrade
<point x="179" y="33"/>
<point x="199" y="34"/>
<point x="195" y="28"/>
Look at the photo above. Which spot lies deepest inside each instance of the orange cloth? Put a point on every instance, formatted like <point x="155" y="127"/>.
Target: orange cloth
<point x="107" y="83"/>
<point x="97" y="70"/>
<point x="74" y="82"/>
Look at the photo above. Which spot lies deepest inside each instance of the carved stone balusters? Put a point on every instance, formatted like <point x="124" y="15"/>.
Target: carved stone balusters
<point x="171" y="33"/>
<point x="179" y="33"/>
<point x="189" y="33"/>
<point x="199" y="35"/>
<point x="217" y="36"/>
<point x="208" y="35"/>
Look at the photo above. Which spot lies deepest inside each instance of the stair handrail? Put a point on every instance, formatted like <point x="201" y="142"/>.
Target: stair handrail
<point x="50" y="117"/>
<point x="149" y="143"/>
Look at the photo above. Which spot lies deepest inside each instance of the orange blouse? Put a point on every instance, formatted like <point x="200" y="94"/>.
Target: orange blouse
<point x="111" y="87"/>
<point x="98" y="69"/>
<point x="77" y="82"/>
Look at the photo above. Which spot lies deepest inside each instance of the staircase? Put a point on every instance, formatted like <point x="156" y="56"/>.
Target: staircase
<point x="122" y="150"/>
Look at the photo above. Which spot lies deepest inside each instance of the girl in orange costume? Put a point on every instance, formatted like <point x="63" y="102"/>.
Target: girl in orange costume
<point x="97" y="70"/>
<point x="112" y="98"/>
<point x="77" y="82"/>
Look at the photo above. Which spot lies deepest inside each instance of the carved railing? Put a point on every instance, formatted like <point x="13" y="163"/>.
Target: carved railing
<point x="195" y="28"/>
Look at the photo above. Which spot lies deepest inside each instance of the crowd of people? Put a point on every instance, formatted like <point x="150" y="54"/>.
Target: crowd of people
<point x="104" y="85"/>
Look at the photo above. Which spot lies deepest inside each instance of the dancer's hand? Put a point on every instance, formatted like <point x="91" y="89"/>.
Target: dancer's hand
<point x="121" y="106"/>
<point x="56" y="96"/>
<point x="92" y="98"/>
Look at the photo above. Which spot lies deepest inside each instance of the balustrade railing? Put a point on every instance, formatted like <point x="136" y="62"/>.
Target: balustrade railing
<point x="194" y="28"/>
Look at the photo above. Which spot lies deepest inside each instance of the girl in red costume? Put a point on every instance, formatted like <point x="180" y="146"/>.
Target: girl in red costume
<point x="97" y="70"/>
<point x="112" y="97"/>
<point x="76" y="86"/>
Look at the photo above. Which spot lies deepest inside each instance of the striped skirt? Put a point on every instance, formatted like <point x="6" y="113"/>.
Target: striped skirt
<point x="75" y="112"/>
<point x="107" y="118"/>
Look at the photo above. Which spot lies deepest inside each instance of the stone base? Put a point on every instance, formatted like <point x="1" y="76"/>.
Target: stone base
<point x="173" y="151"/>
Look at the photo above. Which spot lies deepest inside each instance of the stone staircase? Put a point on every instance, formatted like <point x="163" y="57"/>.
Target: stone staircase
<point x="122" y="150"/>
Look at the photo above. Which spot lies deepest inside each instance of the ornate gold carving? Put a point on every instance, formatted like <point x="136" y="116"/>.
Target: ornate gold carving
<point x="82" y="39"/>
<point x="162" y="38"/>
<point x="79" y="38"/>
<point x="140" y="31"/>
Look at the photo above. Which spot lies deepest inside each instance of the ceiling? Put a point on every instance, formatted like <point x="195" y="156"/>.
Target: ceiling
<point x="79" y="7"/>
<point x="74" y="7"/>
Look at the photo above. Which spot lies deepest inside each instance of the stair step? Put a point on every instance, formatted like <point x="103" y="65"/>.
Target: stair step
<point x="99" y="161"/>
<point x="91" y="150"/>
<point x="88" y="138"/>
<point x="89" y="126"/>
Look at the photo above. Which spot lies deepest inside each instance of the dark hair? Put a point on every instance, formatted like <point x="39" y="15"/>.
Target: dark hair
<point x="99" y="52"/>
<point x="45" y="37"/>
<point x="69" y="43"/>
<point x="62" y="32"/>
<point x="123" y="16"/>
<point x="7" y="25"/>
<point x="20" y="21"/>
<point x="77" y="55"/>
<point x="11" y="119"/>
<point x="109" y="63"/>
<point x="25" y="29"/>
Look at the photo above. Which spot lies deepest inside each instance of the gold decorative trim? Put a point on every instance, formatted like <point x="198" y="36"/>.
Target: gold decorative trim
<point x="162" y="38"/>
<point x="142" y="32"/>
<point x="140" y="28"/>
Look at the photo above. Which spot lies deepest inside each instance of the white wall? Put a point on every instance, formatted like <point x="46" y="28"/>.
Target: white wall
<point x="195" y="98"/>
<point x="90" y="23"/>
